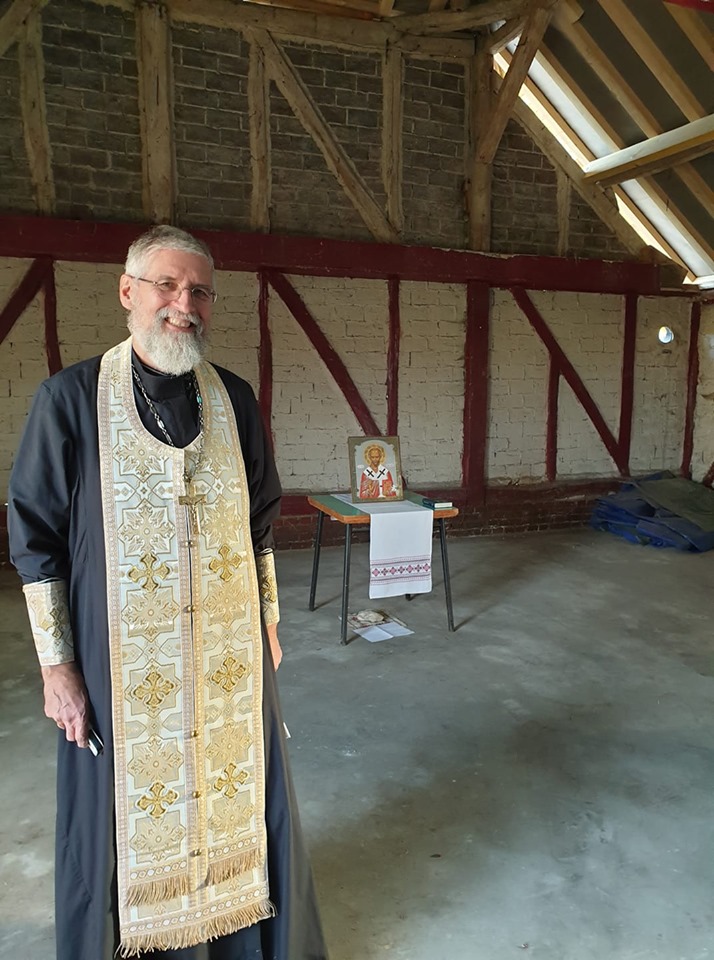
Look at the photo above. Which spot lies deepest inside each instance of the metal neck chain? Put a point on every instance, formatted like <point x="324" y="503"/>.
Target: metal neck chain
<point x="162" y="426"/>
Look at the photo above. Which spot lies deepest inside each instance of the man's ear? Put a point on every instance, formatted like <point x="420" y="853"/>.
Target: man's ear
<point x="125" y="291"/>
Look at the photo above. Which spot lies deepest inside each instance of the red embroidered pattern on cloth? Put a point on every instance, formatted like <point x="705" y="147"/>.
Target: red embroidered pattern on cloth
<point x="411" y="568"/>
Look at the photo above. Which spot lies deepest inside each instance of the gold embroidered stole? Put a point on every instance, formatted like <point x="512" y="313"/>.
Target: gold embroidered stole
<point x="186" y="669"/>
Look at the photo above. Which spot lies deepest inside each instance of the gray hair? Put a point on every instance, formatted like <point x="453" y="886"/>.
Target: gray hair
<point x="163" y="237"/>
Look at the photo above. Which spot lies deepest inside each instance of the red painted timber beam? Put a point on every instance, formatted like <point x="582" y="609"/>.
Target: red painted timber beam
<point x="327" y="353"/>
<point x="551" y="435"/>
<point x="628" y="379"/>
<point x="393" y="358"/>
<point x="692" y="381"/>
<point x="107" y="243"/>
<point x="52" y="347"/>
<point x="476" y="375"/>
<point x="265" y="355"/>
<point x="567" y="370"/>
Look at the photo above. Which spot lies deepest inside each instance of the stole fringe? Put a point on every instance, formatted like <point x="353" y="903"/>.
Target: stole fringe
<point x="197" y="933"/>
<point x="157" y="891"/>
<point x="227" y="869"/>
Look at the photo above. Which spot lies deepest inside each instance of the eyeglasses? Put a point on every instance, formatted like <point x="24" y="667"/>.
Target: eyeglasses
<point x="172" y="290"/>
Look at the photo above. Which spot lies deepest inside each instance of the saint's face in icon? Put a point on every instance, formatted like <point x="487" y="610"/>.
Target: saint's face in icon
<point x="374" y="455"/>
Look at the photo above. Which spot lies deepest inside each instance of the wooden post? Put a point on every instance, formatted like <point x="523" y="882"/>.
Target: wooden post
<point x="392" y="100"/>
<point x="480" y="173"/>
<point x="153" y="57"/>
<point x="259" y="119"/>
<point x="563" y="203"/>
<point x="34" y="114"/>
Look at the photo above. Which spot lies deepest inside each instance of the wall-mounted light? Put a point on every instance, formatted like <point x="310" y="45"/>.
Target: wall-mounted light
<point x="665" y="335"/>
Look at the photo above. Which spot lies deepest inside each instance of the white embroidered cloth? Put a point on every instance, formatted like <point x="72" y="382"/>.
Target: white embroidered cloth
<point x="400" y="538"/>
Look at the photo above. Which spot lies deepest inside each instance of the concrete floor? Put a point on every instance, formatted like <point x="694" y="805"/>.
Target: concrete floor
<point x="538" y="784"/>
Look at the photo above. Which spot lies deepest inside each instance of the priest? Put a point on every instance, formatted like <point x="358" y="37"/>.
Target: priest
<point x="141" y="505"/>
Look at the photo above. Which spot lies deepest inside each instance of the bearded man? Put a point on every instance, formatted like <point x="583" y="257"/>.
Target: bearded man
<point x="140" y="514"/>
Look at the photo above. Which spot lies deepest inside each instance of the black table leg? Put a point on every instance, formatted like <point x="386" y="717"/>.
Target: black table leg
<point x="346" y="583"/>
<point x="447" y="578"/>
<point x="316" y="559"/>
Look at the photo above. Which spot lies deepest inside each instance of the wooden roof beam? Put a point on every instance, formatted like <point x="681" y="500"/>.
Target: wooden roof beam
<point x="507" y="32"/>
<point x="336" y="31"/>
<point x="537" y="21"/>
<point x="448" y="21"/>
<point x="14" y="19"/>
<point x="653" y="155"/>
<point x="653" y="58"/>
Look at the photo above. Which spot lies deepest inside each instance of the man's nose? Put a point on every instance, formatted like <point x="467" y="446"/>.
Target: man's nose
<point x="185" y="300"/>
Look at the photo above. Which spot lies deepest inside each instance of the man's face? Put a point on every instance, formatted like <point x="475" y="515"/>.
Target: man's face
<point x="168" y="334"/>
<point x="374" y="457"/>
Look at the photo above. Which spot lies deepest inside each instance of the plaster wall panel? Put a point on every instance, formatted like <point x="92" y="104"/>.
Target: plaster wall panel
<point x="90" y="318"/>
<point x="703" y="456"/>
<point x="431" y="382"/>
<point x="589" y="328"/>
<point x="311" y="418"/>
<point x="23" y="364"/>
<point x="234" y="337"/>
<point x="354" y="316"/>
<point x="515" y="445"/>
<point x="660" y="386"/>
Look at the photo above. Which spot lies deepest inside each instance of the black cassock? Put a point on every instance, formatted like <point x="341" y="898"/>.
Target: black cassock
<point x="56" y="532"/>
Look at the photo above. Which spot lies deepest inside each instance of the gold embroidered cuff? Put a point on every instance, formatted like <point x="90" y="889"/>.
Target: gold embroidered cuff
<point x="268" y="587"/>
<point x="48" y="609"/>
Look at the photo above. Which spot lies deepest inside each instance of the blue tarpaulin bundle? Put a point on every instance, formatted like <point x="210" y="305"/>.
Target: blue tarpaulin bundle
<point x="660" y="511"/>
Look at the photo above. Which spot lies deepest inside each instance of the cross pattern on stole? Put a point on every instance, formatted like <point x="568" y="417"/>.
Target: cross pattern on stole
<point x="149" y="573"/>
<point x="226" y="562"/>
<point x="226" y="783"/>
<point x="158" y="800"/>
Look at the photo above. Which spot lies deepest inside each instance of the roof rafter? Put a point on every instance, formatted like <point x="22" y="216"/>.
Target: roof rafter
<point x="566" y="20"/>
<point x="653" y="57"/>
<point x="696" y="31"/>
<point x="685" y="171"/>
<point x="656" y="154"/>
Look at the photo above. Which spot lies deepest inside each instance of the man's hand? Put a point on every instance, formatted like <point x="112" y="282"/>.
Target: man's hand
<point x="66" y="701"/>
<point x="275" y="649"/>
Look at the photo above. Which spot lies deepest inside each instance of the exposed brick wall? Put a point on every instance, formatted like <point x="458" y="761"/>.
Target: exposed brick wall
<point x="16" y="194"/>
<point x="433" y="146"/>
<point x="92" y="110"/>
<point x="306" y="198"/>
<point x="93" y="117"/>
<point x="588" y="236"/>
<point x="347" y="88"/>
<point x="506" y="510"/>
<point x="211" y="127"/>
<point x="524" y="209"/>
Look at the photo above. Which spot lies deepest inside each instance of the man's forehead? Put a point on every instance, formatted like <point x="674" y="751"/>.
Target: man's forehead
<point x="175" y="263"/>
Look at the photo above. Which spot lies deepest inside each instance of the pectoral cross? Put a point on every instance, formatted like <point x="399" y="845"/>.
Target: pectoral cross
<point x="192" y="501"/>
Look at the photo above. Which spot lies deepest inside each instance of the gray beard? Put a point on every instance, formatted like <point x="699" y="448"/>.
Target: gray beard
<point x="175" y="354"/>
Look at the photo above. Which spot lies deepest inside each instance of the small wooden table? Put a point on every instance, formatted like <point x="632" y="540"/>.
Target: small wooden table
<point x="348" y="516"/>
